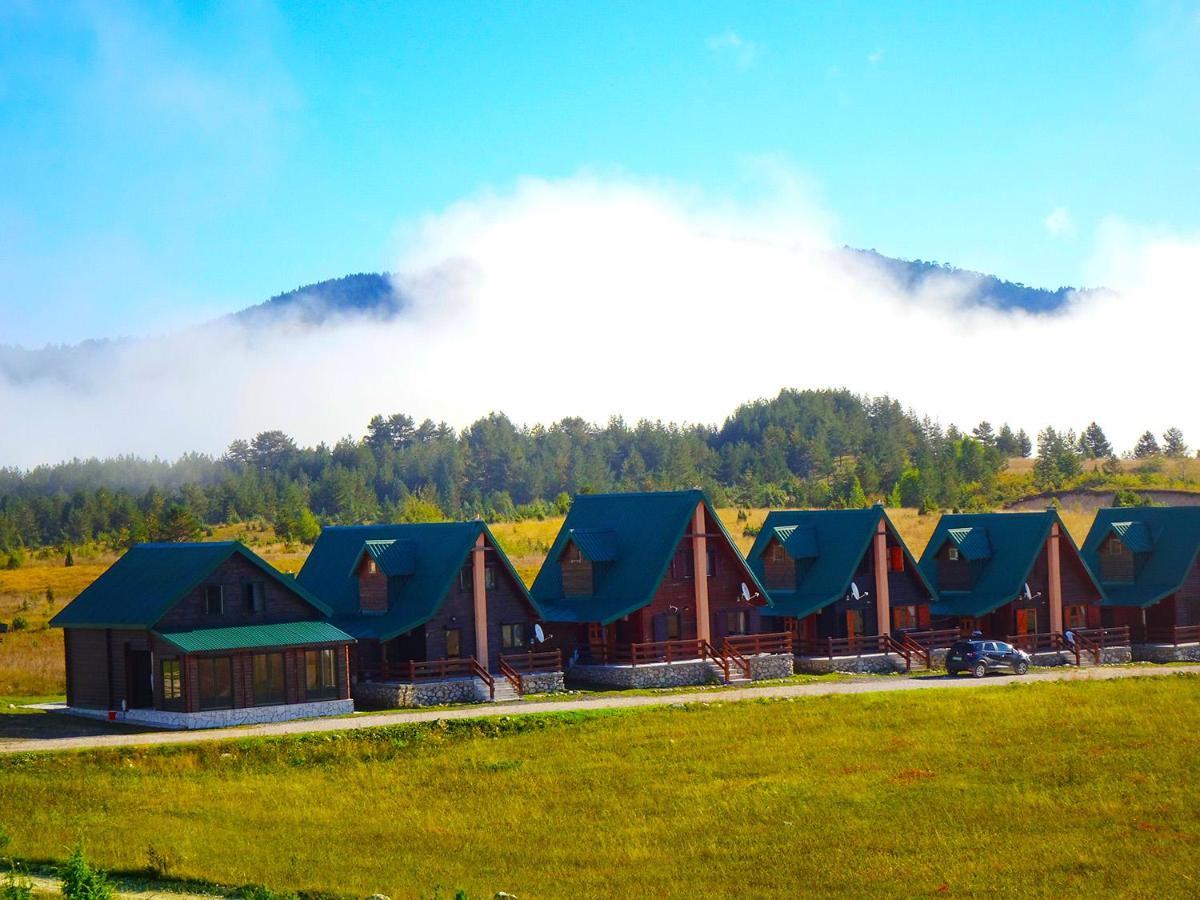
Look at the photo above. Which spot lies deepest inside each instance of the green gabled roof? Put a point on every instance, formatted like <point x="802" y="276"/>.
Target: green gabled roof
<point x="840" y="537"/>
<point x="140" y="587"/>
<point x="596" y="544"/>
<point x="973" y="542"/>
<point x="645" y="529"/>
<point x="437" y="550"/>
<point x="1169" y="538"/>
<point x="253" y="637"/>
<point x="1014" y="541"/>
<point x="393" y="557"/>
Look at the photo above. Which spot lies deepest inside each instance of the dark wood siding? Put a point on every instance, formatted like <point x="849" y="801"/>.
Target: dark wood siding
<point x="281" y="603"/>
<point x="87" y="669"/>
<point x="576" y="572"/>
<point x="953" y="574"/>
<point x="372" y="587"/>
<point x="779" y="569"/>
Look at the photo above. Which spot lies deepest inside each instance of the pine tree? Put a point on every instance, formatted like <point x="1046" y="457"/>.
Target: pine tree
<point x="70" y="560"/>
<point x="1146" y="446"/>
<point x="984" y="434"/>
<point x="1093" y="444"/>
<point x="1173" y="444"/>
<point x="1006" y="441"/>
<point x="858" y="497"/>
<point x="1024" y="444"/>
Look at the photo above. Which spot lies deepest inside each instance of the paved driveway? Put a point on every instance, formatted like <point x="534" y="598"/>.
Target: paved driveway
<point x="726" y="695"/>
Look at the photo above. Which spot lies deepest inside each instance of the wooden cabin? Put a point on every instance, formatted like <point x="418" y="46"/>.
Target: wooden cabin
<point x="425" y="601"/>
<point x="1148" y="562"/>
<point x="840" y="580"/>
<point x="1013" y="576"/>
<point x="202" y="635"/>
<point x="647" y="578"/>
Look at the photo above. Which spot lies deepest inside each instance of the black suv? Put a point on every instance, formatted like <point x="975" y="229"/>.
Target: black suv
<point x="980" y="657"/>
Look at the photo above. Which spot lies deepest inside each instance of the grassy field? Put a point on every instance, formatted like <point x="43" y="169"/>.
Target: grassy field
<point x="1041" y="789"/>
<point x="31" y="660"/>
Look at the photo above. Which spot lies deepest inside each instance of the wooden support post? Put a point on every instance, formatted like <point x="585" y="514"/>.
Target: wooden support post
<point x="700" y="573"/>
<point x="883" y="607"/>
<point x="479" y="590"/>
<point x="1054" y="580"/>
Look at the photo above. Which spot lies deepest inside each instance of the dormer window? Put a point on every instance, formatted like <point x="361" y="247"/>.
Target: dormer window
<point x="372" y="567"/>
<point x="778" y="554"/>
<point x="574" y="554"/>
<point x="952" y="554"/>
<point x="1116" y="561"/>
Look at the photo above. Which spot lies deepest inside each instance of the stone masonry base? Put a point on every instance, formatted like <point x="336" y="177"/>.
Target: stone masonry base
<point x="867" y="664"/>
<point x="1109" y="656"/>
<point x="396" y="695"/>
<point x="678" y="674"/>
<point x="542" y="682"/>
<point x="220" y="718"/>
<point x="1162" y="653"/>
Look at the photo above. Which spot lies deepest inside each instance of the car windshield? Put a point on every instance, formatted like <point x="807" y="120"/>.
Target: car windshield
<point x="966" y="646"/>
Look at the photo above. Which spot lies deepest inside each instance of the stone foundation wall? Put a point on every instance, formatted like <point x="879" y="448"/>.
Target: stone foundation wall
<point x="772" y="665"/>
<point x="1109" y="656"/>
<point x="221" y="718"/>
<point x="395" y="695"/>
<point x="542" y="682"/>
<point x="654" y="675"/>
<point x="870" y="664"/>
<point x="1162" y="653"/>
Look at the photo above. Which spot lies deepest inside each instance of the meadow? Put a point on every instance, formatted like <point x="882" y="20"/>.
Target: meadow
<point x="31" y="659"/>
<point x="1034" y="789"/>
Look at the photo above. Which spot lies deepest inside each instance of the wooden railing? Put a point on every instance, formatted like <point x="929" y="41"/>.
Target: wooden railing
<point x="516" y="666"/>
<point x="731" y="653"/>
<point x="1037" y="642"/>
<point x="754" y="644"/>
<point x="915" y="649"/>
<point x="1174" y="634"/>
<point x="431" y="670"/>
<point x="847" y="646"/>
<point x="939" y="639"/>
<point x="647" y="652"/>
<point x="1094" y="640"/>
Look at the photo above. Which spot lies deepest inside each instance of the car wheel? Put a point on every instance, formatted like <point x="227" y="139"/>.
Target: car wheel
<point x="1021" y="667"/>
<point x="979" y="671"/>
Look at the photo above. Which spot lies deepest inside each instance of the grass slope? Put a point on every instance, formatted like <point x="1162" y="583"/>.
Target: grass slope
<point x="1040" y="789"/>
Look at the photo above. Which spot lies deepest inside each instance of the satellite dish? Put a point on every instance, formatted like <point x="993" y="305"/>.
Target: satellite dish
<point x="1028" y="593"/>
<point x="745" y="592"/>
<point x="538" y="634"/>
<point x="856" y="593"/>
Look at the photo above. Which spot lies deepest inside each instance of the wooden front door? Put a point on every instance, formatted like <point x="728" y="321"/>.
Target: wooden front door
<point x="1027" y="621"/>
<point x="141" y="684"/>
<point x="855" y="623"/>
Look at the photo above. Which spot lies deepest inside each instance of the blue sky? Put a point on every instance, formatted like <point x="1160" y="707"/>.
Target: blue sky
<point x="160" y="164"/>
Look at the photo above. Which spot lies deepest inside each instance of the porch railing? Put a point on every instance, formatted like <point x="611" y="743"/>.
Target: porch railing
<point x="647" y="652"/>
<point x="516" y="666"/>
<point x="1043" y="642"/>
<point x="938" y="639"/>
<point x="916" y="650"/>
<point x="848" y="646"/>
<point x="415" y="672"/>
<point x="736" y="657"/>
<point x="1173" y="634"/>
<point x="1094" y="640"/>
<point x="754" y="644"/>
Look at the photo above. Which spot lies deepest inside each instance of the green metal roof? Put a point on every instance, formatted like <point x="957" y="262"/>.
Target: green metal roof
<point x="645" y="529"/>
<point x="436" y="551"/>
<point x="1169" y="538"/>
<point x="596" y="544"/>
<point x="149" y="579"/>
<point x="835" y="540"/>
<point x="973" y="543"/>
<point x="1014" y="541"/>
<point x="253" y="637"/>
<point x="393" y="557"/>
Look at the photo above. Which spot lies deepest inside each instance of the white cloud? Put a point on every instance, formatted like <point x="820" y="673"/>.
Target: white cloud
<point x="1059" y="223"/>
<point x="596" y="296"/>
<point x="729" y="43"/>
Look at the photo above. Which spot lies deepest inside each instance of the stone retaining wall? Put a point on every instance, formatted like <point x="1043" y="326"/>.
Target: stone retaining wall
<point x="1162" y="653"/>
<point x="767" y="666"/>
<point x="396" y="695"/>
<point x="542" y="682"/>
<point x="1109" y="656"/>
<point x="652" y="675"/>
<point x="868" y="664"/>
<point x="220" y="718"/>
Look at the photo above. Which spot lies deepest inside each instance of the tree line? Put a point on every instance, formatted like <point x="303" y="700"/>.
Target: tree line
<point x="828" y="448"/>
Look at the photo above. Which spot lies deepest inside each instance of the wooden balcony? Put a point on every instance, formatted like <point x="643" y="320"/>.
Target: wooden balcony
<point x="1173" y="634"/>
<point x="754" y="644"/>
<point x="416" y="672"/>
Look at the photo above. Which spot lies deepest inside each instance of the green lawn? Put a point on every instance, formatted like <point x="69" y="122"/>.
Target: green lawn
<point x="1022" y="789"/>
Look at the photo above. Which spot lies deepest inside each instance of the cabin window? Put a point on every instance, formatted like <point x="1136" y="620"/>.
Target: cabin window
<point x="372" y="567"/>
<point x="1075" y="617"/>
<point x="215" y="676"/>
<point x="952" y="554"/>
<point x="674" y="626"/>
<point x="514" y="636"/>
<point x="320" y="674"/>
<point x="682" y="566"/>
<point x="778" y="554"/>
<point x="466" y="578"/>
<point x="214" y="600"/>
<point x="737" y="621"/>
<point x="574" y="554"/>
<point x="453" y="643"/>
<point x="895" y="559"/>
<point x="712" y="564"/>
<point x="268" y="679"/>
<point x="904" y="618"/>
<point x="254" y="594"/>
<point x="489" y="578"/>
<point x="172" y="686"/>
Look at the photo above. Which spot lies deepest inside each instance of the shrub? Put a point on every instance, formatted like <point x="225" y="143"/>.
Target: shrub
<point x="20" y="623"/>
<point x="17" y="886"/>
<point x="158" y="863"/>
<point x="81" y="882"/>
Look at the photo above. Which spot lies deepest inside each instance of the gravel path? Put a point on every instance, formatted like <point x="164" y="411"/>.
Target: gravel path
<point x="726" y="695"/>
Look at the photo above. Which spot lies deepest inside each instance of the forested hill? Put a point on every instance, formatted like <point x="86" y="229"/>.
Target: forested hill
<point x="808" y="448"/>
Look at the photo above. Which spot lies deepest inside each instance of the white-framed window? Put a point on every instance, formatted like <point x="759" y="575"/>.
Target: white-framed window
<point x="952" y="554"/>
